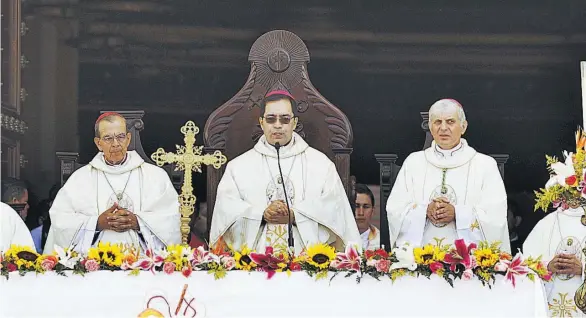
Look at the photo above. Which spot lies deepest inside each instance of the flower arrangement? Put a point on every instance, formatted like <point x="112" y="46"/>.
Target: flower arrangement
<point x="566" y="187"/>
<point x="454" y="261"/>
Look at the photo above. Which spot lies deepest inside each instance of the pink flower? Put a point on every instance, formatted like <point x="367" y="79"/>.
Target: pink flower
<point x="515" y="268"/>
<point x="467" y="274"/>
<point x="383" y="265"/>
<point x="169" y="267"/>
<point x="228" y="262"/>
<point x="91" y="265"/>
<point x="500" y="267"/>
<point x="200" y="257"/>
<point x="49" y="263"/>
<point x="460" y="255"/>
<point x="350" y="259"/>
<point x="186" y="271"/>
<point x="267" y="262"/>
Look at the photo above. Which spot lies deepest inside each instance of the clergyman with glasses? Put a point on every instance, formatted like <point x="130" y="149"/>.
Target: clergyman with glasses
<point x="251" y="203"/>
<point x="116" y="198"/>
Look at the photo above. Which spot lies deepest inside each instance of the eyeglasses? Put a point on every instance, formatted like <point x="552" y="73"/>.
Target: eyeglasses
<point x="271" y="119"/>
<point x="109" y="139"/>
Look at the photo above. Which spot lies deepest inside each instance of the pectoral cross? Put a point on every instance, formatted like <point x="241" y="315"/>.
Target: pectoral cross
<point x="188" y="158"/>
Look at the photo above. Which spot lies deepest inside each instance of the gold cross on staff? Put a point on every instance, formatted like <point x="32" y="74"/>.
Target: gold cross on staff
<point x="188" y="158"/>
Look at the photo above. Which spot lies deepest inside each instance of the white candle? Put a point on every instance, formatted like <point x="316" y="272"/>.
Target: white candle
<point x="583" y="76"/>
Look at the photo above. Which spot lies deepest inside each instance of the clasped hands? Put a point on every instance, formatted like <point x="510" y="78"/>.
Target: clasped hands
<point x="276" y="213"/>
<point x="565" y="264"/>
<point x="441" y="211"/>
<point x="117" y="219"/>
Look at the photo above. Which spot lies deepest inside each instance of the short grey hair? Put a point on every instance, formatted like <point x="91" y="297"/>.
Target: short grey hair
<point x="447" y="106"/>
<point x="13" y="189"/>
<point x="110" y="119"/>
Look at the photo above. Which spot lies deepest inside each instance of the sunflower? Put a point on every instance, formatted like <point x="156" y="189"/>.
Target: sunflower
<point x="23" y="256"/>
<point x="320" y="255"/>
<point x="485" y="257"/>
<point x="107" y="254"/>
<point x="428" y="254"/>
<point x="242" y="259"/>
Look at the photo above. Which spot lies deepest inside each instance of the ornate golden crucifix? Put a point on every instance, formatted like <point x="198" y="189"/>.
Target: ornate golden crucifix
<point x="188" y="158"/>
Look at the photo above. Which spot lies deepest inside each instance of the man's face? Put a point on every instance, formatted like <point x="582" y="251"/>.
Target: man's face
<point x="447" y="130"/>
<point x="278" y="122"/>
<point x="114" y="140"/>
<point x="22" y="200"/>
<point x="364" y="210"/>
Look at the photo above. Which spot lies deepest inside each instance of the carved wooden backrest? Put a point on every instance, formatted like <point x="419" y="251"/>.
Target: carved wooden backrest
<point x="69" y="160"/>
<point x="389" y="170"/>
<point x="278" y="61"/>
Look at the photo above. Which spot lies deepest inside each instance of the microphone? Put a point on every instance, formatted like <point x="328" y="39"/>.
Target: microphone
<point x="290" y="224"/>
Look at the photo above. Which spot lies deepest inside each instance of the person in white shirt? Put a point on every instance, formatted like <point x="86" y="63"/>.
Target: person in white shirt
<point x="363" y="211"/>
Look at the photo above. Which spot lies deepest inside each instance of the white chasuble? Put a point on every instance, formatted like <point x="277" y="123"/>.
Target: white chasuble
<point x="13" y="231"/>
<point x="469" y="180"/>
<point x="139" y="187"/>
<point x="560" y="232"/>
<point x="314" y="189"/>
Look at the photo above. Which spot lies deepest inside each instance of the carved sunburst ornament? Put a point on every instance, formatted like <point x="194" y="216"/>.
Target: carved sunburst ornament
<point x="279" y="57"/>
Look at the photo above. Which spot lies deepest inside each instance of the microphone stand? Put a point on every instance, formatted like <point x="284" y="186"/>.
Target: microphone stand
<point x="291" y="243"/>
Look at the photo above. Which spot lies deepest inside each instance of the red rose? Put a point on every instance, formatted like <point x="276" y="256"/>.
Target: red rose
<point x="571" y="180"/>
<point x="295" y="266"/>
<point x="11" y="267"/>
<point x="91" y="265"/>
<point x="186" y="271"/>
<point x="383" y="265"/>
<point x="169" y="267"/>
<point x="49" y="263"/>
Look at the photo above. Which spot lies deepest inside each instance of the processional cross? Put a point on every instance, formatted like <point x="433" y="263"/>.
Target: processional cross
<point x="188" y="158"/>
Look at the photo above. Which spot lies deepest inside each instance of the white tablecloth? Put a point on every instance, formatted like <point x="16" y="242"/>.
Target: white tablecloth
<point x="116" y="294"/>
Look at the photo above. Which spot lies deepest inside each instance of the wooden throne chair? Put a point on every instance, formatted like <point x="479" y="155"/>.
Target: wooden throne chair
<point x="388" y="170"/>
<point x="69" y="160"/>
<point x="278" y="60"/>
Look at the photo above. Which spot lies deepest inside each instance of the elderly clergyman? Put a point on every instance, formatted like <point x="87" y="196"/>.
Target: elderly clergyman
<point x="116" y="198"/>
<point x="448" y="191"/>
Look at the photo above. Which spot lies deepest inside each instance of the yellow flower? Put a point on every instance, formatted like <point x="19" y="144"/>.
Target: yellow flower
<point x="107" y="254"/>
<point x="428" y="254"/>
<point x="485" y="257"/>
<point x="242" y="259"/>
<point x="178" y="255"/>
<point x="22" y="256"/>
<point x="320" y="255"/>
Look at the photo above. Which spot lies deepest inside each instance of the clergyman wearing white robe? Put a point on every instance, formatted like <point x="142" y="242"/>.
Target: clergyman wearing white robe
<point x="316" y="195"/>
<point x="475" y="188"/>
<point x="13" y="231"/>
<point x="141" y="188"/>
<point x="560" y="232"/>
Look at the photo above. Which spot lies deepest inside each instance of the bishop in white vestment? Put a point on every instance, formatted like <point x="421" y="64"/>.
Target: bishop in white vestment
<point x="560" y="235"/>
<point x="13" y="231"/>
<point x="251" y="207"/>
<point x="116" y="198"/>
<point x="448" y="191"/>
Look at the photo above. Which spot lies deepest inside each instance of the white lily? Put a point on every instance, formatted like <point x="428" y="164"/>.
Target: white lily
<point x="562" y="171"/>
<point x="65" y="257"/>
